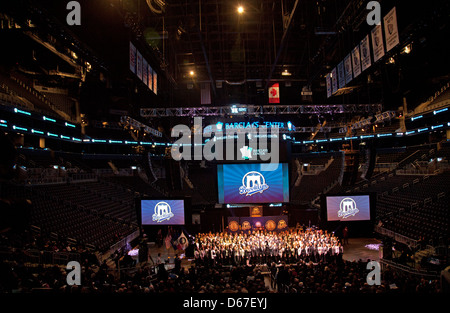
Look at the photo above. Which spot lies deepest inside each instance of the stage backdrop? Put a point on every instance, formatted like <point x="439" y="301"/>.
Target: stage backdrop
<point x="247" y="224"/>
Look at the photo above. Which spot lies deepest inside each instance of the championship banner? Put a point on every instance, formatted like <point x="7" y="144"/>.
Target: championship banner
<point x="132" y="58"/>
<point x="377" y="43"/>
<point x="256" y="211"/>
<point x="391" y="29"/>
<point x="348" y="68"/>
<point x="274" y="93"/>
<point x="341" y="75"/>
<point x="145" y="71"/>
<point x="150" y="77"/>
<point x="328" y="81"/>
<point x="139" y="65"/>
<point x="234" y="224"/>
<point x="334" y="79"/>
<point x="155" y="82"/>
<point x="249" y="224"/>
<point x="356" y="59"/>
<point x="365" y="53"/>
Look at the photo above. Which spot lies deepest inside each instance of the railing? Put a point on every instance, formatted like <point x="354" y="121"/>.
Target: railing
<point x="83" y="177"/>
<point x="110" y="172"/>
<point x="119" y="244"/>
<point x="41" y="257"/>
<point x="387" y="263"/>
<point x="396" y="236"/>
<point x="46" y="180"/>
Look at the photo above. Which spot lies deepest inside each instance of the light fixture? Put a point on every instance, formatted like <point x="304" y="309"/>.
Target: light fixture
<point x="406" y="49"/>
<point x="286" y="73"/>
<point x="240" y="9"/>
<point x="191" y="73"/>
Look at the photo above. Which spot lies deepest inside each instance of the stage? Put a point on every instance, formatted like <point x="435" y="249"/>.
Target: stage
<point x="356" y="249"/>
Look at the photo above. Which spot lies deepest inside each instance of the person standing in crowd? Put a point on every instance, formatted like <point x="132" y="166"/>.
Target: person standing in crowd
<point x="177" y="262"/>
<point x="345" y="235"/>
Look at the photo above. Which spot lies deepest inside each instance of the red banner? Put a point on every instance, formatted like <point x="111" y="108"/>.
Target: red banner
<point x="274" y="93"/>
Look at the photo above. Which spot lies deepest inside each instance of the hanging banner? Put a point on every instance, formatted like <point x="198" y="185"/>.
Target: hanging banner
<point x="365" y="53"/>
<point x="348" y="68"/>
<point x="145" y="71"/>
<point x="274" y="93"/>
<point x="341" y="75"/>
<point x="377" y="43"/>
<point x="233" y="224"/>
<point x="356" y="59"/>
<point x="391" y="29"/>
<point x="256" y="211"/>
<point x="205" y="94"/>
<point x="249" y="224"/>
<point x="132" y="58"/>
<point x="139" y="65"/>
<point x="150" y="77"/>
<point x="328" y="82"/>
<point x="334" y="80"/>
<point x="155" y="82"/>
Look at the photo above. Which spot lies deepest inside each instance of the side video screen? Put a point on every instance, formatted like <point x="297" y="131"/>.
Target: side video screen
<point x="162" y="212"/>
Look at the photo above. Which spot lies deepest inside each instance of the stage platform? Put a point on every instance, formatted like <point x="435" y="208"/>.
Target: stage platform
<point x="356" y="249"/>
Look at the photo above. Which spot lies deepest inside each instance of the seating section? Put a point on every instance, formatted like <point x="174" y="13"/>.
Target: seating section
<point x="96" y="197"/>
<point x="390" y="155"/>
<point x="60" y="215"/>
<point x="136" y="184"/>
<point x="430" y="221"/>
<point x="62" y="102"/>
<point x="73" y="223"/>
<point x="312" y="185"/>
<point x="409" y="206"/>
<point x="205" y="185"/>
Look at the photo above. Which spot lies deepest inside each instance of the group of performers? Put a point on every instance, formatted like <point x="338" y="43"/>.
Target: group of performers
<point x="264" y="247"/>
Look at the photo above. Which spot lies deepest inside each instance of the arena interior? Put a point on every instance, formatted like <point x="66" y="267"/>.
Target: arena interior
<point x="221" y="146"/>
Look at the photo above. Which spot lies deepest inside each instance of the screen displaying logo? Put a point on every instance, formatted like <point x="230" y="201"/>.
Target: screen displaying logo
<point x="163" y="212"/>
<point x="253" y="182"/>
<point x="347" y="208"/>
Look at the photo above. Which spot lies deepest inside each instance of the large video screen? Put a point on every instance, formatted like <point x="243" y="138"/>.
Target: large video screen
<point x="348" y="208"/>
<point x="253" y="183"/>
<point x="162" y="212"/>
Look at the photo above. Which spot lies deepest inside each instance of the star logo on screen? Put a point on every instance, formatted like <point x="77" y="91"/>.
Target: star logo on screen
<point x="246" y="152"/>
<point x="252" y="183"/>
<point x="347" y="208"/>
<point x="162" y="212"/>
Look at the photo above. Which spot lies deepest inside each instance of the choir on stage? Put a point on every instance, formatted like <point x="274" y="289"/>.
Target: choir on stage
<point x="263" y="247"/>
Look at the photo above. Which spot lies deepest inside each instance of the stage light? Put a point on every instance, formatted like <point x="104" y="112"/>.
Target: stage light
<point x="45" y="118"/>
<point x="219" y="126"/>
<point x="286" y="73"/>
<point x="191" y="73"/>
<point x="289" y="125"/>
<point x="240" y="9"/>
<point x="406" y="49"/>
<point x="21" y="111"/>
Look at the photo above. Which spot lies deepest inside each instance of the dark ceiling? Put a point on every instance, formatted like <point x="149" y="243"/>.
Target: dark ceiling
<point x="239" y="55"/>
